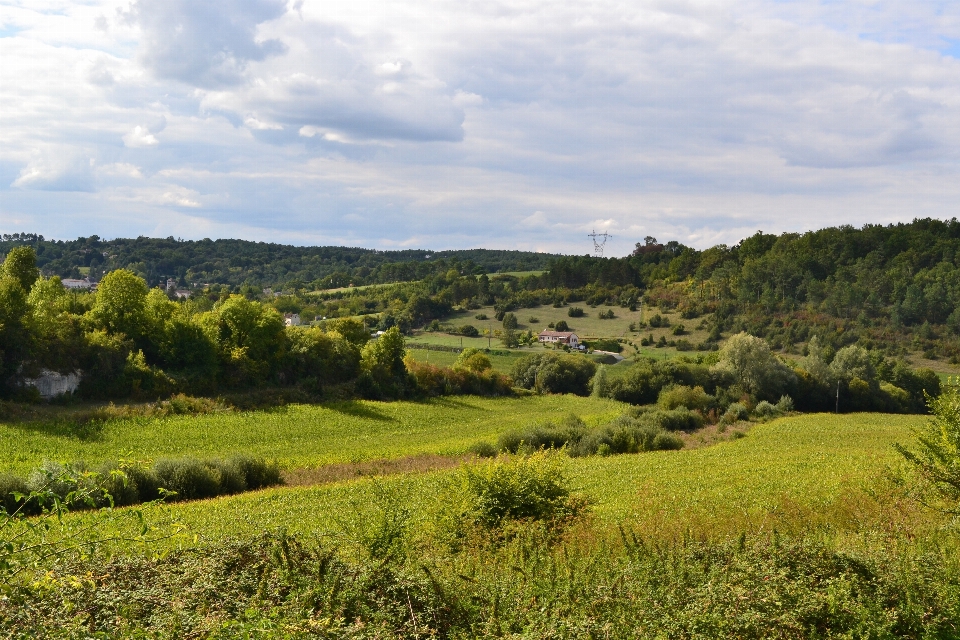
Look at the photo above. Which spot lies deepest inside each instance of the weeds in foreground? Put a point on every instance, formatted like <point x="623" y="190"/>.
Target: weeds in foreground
<point x="533" y="585"/>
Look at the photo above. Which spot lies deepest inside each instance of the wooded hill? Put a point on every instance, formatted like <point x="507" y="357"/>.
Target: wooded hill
<point x="197" y="263"/>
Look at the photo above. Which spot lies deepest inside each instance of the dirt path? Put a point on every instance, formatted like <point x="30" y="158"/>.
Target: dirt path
<point x="327" y="474"/>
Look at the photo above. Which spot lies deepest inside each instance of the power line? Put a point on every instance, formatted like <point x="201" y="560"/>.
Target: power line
<point x="599" y="240"/>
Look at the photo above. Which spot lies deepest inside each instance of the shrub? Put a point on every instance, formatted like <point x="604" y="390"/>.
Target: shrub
<point x="626" y="434"/>
<point x="257" y="472"/>
<point x="675" y="420"/>
<point x="437" y="381"/>
<point x="468" y="330"/>
<point x="510" y="321"/>
<point x="10" y="485"/>
<point x="480" y="316"/>
<point x="659" y="321"/>
<point x="554" y="373"/>
<point x="483" y="449"/>
<point x="936" y="458"/>
<point x="472" y="360"/>
<point x="562" y="326"/>
<point x="188" y="478"/>
<point x="677" y="396"/>
<point x="606" y="315"/>
<point x="679" y="330"/>
<point x="575" y="312"/>
<point x="606" y="344"/>
<point x="533" y="320"/>
<point x="785" y="404"/>
<point x="765" y="409"/>
<point x="735" y="412"/>
<point x="526" y="488"/>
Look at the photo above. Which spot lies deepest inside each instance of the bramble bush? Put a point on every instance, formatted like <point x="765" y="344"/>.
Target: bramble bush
<point x="127" y="483"/>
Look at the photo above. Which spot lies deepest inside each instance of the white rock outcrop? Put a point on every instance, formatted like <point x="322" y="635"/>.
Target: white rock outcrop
<point x="51" y="384"/>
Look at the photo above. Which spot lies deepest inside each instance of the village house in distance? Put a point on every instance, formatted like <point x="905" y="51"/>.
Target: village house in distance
<point x="568" y="338"/>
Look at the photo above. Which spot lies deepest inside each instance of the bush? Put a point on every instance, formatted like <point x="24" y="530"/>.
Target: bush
<point x="785" y="404"/>
<point x="555" y="373"/>
<point x="936" y="458"/>
<point x="469" y="331"/>
<point x="483" y="449"/>
<point x="626" y="434"/>
<point x="606" y="344"/>
<point x="463" y="378"/>
<point x="679" y="330"/>
<point x="735" y="412"/>
<point x="575" y="312"/>
<point x="765" y="409"/>
<point x="659" y="321"/>
<point x="676" y="420"/>
<point x="680" y="395"/>
<point x="188" y="478"/>
<point x="526" y="488"/>
<point x="562" y="326"/>
<point x="10" y="485"/>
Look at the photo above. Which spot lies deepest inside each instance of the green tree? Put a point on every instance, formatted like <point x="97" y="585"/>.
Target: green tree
<point x="472" y="360"/>
<point x="383" y="357"/>
<point x="936" y="458"/>
<point x="249" y="327"/>
<point x="14" y="336"/>
<point x="351" y="329"/>
<point x="753" y="366"/>
<point x="510" y="322"/>
<point x="120" y="305"/>
<point x="21" y="265"/>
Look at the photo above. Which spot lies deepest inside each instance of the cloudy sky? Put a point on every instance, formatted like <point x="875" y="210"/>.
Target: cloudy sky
<point x="461" y="123"/>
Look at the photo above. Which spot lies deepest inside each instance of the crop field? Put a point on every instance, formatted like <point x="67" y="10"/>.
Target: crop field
<point x="298" y="436"/>
<point x="787" y="474"/>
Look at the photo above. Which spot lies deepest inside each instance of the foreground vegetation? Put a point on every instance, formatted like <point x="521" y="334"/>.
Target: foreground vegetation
<point x="790" y="532"/>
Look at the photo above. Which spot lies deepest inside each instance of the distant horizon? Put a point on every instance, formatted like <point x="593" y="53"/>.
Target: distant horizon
<point x="606" y="254"/>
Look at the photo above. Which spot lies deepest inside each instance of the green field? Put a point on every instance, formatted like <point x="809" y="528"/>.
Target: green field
<point x="501" y="363"/>
<point x="297" y="435"/>
<point x="588" y="327"/>
<point x="788" y="474"/>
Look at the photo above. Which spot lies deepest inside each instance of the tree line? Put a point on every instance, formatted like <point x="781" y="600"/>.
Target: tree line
<point x="194" y="263"/>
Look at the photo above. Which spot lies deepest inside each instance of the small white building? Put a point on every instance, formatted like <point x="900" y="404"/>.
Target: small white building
<point x="291" y="319"/>
<point x="568" y="338"/>
<point x="182" y="294"/>
<point x="73" y="283"/>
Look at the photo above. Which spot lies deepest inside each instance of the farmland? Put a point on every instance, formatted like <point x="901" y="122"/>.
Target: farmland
<point x="771" y="517"/>
<point x="298" y="435"/>
<point x="589" y="326"/>
<point x="791" y="467"/>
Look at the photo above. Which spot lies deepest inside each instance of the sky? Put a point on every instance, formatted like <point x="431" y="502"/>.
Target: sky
<point x="458" y="124"/>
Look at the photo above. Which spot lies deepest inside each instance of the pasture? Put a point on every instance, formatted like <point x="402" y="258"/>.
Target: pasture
<point x="589" y="326"/>
<point x="789" y="474"/>
<point x="298" y="436"/>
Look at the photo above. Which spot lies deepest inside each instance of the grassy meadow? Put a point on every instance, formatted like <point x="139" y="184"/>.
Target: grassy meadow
<point x="788" y="531"/>
<point x="297" y="436"/>
<point x="788" y="474"/>
<point x="590" y="326"/>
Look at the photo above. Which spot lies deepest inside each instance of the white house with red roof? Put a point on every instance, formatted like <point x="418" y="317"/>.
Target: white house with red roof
<point x="568" y="338"/>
